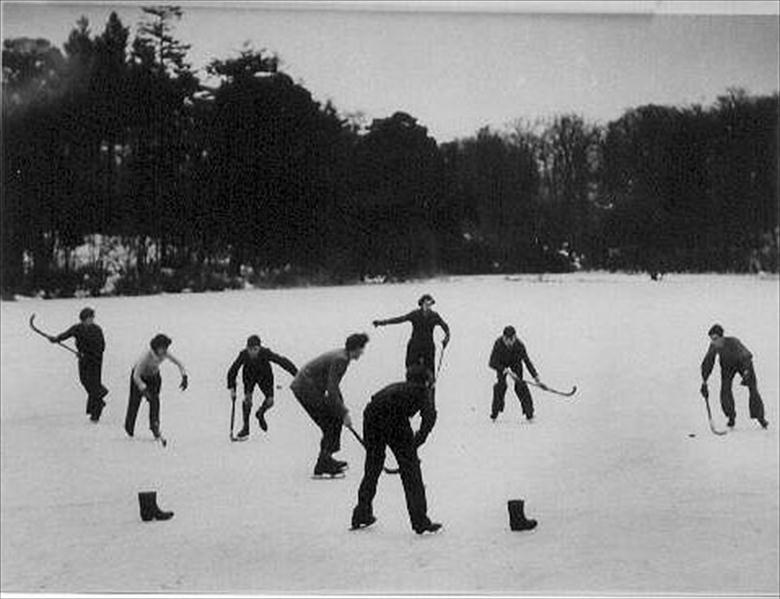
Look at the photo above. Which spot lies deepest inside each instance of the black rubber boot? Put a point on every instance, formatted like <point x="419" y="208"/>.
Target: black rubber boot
<point x="158" y="513"/>
<point x="517" y="519"/>
<point x="147" y="503"/>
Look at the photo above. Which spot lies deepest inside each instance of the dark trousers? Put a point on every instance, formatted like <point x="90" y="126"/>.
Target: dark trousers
<point x="90" y="375"/>
<point x="755" y="404"/>
<point x="323" y="415"/>
<point x="421" y="353"/>
<point x="153" y="385"/>
<point x="379" y="433"/>
<point x="522" y="392"/>
<point x="266" y="386"/>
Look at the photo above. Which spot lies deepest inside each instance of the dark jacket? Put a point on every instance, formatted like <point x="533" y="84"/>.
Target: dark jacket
<point x="513" y="356"/>
<point x="89" y="339"/>
<point x="733" y="356"/>
<point x="401" y="401"/>
<point x="259" y="368"/>
<point x="423" y="324"/>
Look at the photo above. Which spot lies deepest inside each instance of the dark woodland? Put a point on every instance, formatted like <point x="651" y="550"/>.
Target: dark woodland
<point x="125" y="172"/>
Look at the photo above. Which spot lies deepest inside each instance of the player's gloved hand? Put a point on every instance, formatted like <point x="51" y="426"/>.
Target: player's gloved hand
<point x="233" y="394"/>
<point x="705" y="392"/>
<point x="347" y="420"/>
<point x="184" y="382"/>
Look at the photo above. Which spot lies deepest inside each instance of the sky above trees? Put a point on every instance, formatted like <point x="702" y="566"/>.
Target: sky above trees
<point x="456" y="70"/>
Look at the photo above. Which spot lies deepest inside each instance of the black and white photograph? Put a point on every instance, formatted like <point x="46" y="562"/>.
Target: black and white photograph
<point x="392" y="298"/>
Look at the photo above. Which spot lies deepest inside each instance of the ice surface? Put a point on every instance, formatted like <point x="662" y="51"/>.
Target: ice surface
<point x="627" y="501"/>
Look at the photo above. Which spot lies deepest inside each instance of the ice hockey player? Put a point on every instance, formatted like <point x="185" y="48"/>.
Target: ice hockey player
<point x="256" y="362"/>
<point x="421" y="348"/>
<point x="145" y="381"/>
<point x="734" y="358"/>
<point x="90" y="345"/>
<point x="386" y="424"/>
<point x="507" y="357"/>
<point x="316" y="387"/>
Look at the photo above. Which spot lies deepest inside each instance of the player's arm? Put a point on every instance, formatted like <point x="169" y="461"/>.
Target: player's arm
<point x="708" y="363"/>
<point x="445" y="327"/>
<point x="233" y="370"/>
<point x="394" y="320"/>
<point x="182" y="371"/>
<point x="524" y="357"/>
<point x="335" y="374"/>
<point x="71" y="332"/>
<point x="283" y="362"/>
<point x="138" y="368"/>
<point x="427" y="419"/>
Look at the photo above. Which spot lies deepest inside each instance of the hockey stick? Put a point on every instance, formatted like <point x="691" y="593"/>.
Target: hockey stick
<point x="709" y="417"/>
<point x="545" y="387"/>
<point x="42" y="334"/>
<point x="438" y="367"/>
<point x="232" y="418"/>
<point x="360" y="440"/>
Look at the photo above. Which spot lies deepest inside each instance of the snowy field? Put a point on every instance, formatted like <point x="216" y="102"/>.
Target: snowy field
<point x="627" y="501"/>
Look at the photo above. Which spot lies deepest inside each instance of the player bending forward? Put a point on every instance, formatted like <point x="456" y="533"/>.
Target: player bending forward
<point x="145" y="381"/>
<point x="734" y="358"/>
<point x="316" y="387"/>
<point x="386" y="424"/>
<point x="256" y="362"/>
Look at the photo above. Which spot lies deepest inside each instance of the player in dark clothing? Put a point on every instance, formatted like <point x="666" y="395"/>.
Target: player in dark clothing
<point x="316" y="387"/>
<point x="421" y="349"/>
<point x="734" y="358"/>
<point x="507" y="357"/>
<point x="256" y="361"/>
<point x="386" y="423"/>
<point x="90" y="345"/>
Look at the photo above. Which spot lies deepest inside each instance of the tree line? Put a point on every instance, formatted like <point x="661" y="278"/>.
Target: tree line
<point x="124" y="171"/>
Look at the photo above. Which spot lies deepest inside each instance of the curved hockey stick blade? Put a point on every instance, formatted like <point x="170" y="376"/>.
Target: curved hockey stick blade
<point x="709" y="418"/>
<point x="544" y="387"/>
<point x="42" y="334"/>
<point x="716" y="431"/>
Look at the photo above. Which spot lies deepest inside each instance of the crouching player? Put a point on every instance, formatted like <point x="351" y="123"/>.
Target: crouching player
<point x="256" y="362"/>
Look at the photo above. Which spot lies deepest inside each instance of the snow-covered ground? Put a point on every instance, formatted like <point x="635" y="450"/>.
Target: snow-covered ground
<point x="627" y="500"/>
